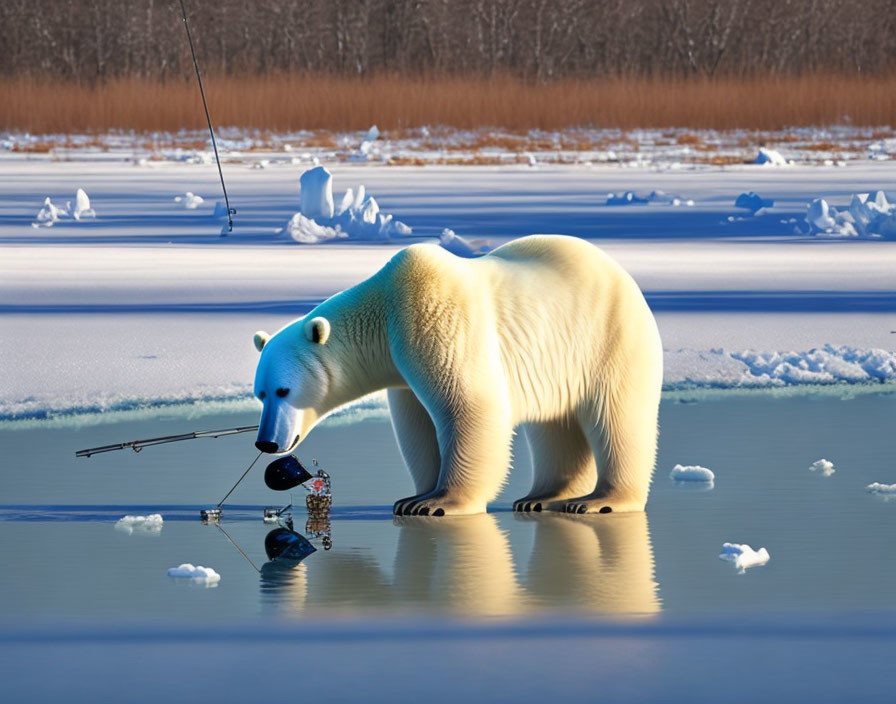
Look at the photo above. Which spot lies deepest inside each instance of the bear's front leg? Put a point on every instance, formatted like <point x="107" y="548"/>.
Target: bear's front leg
<point x="474" y="444"/>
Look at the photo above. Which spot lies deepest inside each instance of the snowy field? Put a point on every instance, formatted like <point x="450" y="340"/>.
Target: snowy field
<point x="139" y="322"/>
<point x="153" y="307"/>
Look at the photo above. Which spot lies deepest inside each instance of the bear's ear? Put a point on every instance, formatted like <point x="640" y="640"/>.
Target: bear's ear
<point x="318" y="330"/>
<point x="261" y="339"/>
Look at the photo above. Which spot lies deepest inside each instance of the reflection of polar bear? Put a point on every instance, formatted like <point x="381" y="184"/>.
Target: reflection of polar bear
<point x="467" y="565"/>
<point x="547" y="332"/>
<point x="600" y="563"/>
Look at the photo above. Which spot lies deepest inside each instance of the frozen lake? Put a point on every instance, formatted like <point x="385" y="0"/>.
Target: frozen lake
<point x="139" y="324"/>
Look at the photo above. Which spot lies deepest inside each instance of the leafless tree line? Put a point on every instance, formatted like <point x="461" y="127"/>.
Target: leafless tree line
<point x="94" y="40"/>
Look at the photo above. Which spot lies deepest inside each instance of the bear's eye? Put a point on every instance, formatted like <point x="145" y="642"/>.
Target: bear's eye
<point x="261" y="395"/>
<point x="282" y="393"/>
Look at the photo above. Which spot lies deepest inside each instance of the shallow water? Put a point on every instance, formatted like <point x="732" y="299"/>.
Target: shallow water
<point x="830" y="541"/>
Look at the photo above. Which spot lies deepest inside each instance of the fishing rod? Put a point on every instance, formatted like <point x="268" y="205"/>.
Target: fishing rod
<point x="137" y="445"/>
<point x="230" y="211"/>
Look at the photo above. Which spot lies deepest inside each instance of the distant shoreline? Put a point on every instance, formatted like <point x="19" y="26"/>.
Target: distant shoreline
<point x="321" y="102"/>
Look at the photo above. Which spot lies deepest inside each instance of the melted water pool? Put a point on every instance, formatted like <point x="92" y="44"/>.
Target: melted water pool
<point x="830" y="541"/>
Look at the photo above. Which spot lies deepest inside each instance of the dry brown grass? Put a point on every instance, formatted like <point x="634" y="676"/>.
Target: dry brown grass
<point x="286" y="102"/>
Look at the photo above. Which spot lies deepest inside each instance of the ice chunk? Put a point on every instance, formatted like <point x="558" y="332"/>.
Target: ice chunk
<point x="358" y="218"/>
<point x="888" y="490"/>
<point x="190" y="200"/>
<point x="770" y="157"/>
<point x="49" y="214"/>
<point x="82" y="206"/>
<point x="197" y="573"/>
<point x="306" y="231"/>
<point x="868" y="215"/>
<point x="753" y="202"/>
<point x="151" y="524"/>
<point x="742" y="556"/>
<point x="317" y="193"/>
<point x="692" y="473"/>
<point x="823" y="467"/>
<point x="460" y="247"/>
<point x="627" y="198"/>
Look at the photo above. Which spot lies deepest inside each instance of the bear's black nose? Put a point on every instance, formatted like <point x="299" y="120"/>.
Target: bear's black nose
<point x="269" y="447"/>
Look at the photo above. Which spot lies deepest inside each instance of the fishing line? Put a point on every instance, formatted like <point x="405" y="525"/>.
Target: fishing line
<point x="221" y="502"/>
<point x="230" y="211"/>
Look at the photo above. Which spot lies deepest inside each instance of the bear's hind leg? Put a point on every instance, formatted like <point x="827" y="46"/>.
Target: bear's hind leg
<point x="562" y="464"/>
<point x="416" y="436"/>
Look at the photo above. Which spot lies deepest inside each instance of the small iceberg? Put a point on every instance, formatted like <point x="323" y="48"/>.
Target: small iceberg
<point x="742" y="556"/>
<point x="150" y="525"/>
<point x="823" y="467"/>
<point x="692" y="473"/>
<point x="195" y="573"/>
<point x="888" y="491"/>
<point x="627" y="198"/>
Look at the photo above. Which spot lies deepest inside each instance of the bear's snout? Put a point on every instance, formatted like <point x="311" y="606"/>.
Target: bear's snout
<point x="269" y="447"/>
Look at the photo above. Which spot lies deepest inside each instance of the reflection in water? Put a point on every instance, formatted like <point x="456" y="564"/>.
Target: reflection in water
<point x="465" y="565"/>
<point x="595" y="563"/>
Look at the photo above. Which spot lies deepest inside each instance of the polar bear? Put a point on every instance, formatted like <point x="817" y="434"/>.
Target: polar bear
<point x="546" y="332"/>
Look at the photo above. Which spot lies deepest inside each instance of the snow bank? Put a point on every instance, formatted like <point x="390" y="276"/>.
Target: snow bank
<point x="692" y="473"/>
<point x="721" y="369"/>
<point x="742" y="556"/>
<point x="753" y="202"/>
<point x="197" y="573"/>
<point x="190" y="200"/>
<point x="461" y="247"/>
<point x="887" y="490"/>
<point x="868" y="215"/>
<point x="358" y="216"/>
<point x="770" y="157"/>
<point x="140" y="524"/>
<point x="823" y="467"/>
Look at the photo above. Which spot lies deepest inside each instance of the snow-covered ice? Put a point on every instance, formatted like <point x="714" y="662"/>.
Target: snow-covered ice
<point x="742" y="556"/>
<point x="151" y="524"/>
<point x="195" y="573"/>
<point x="692" y="473"/>
<point x="823" y="467"/>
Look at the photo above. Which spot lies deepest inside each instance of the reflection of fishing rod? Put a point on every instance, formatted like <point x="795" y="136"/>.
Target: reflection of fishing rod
<point x="137" y="445"/>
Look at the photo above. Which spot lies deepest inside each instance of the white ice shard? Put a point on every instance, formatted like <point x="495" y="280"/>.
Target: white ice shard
<point x="317" y="193"/>
<point x="82" y="206"/>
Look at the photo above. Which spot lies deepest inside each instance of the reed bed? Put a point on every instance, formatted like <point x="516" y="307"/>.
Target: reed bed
<point x="284" y="103"/>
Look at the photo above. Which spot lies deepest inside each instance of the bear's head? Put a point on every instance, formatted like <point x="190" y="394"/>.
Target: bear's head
<point x="292" y="382"/>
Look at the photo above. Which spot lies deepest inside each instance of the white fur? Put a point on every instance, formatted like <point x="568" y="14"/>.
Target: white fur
<point x="546" y="332"/>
